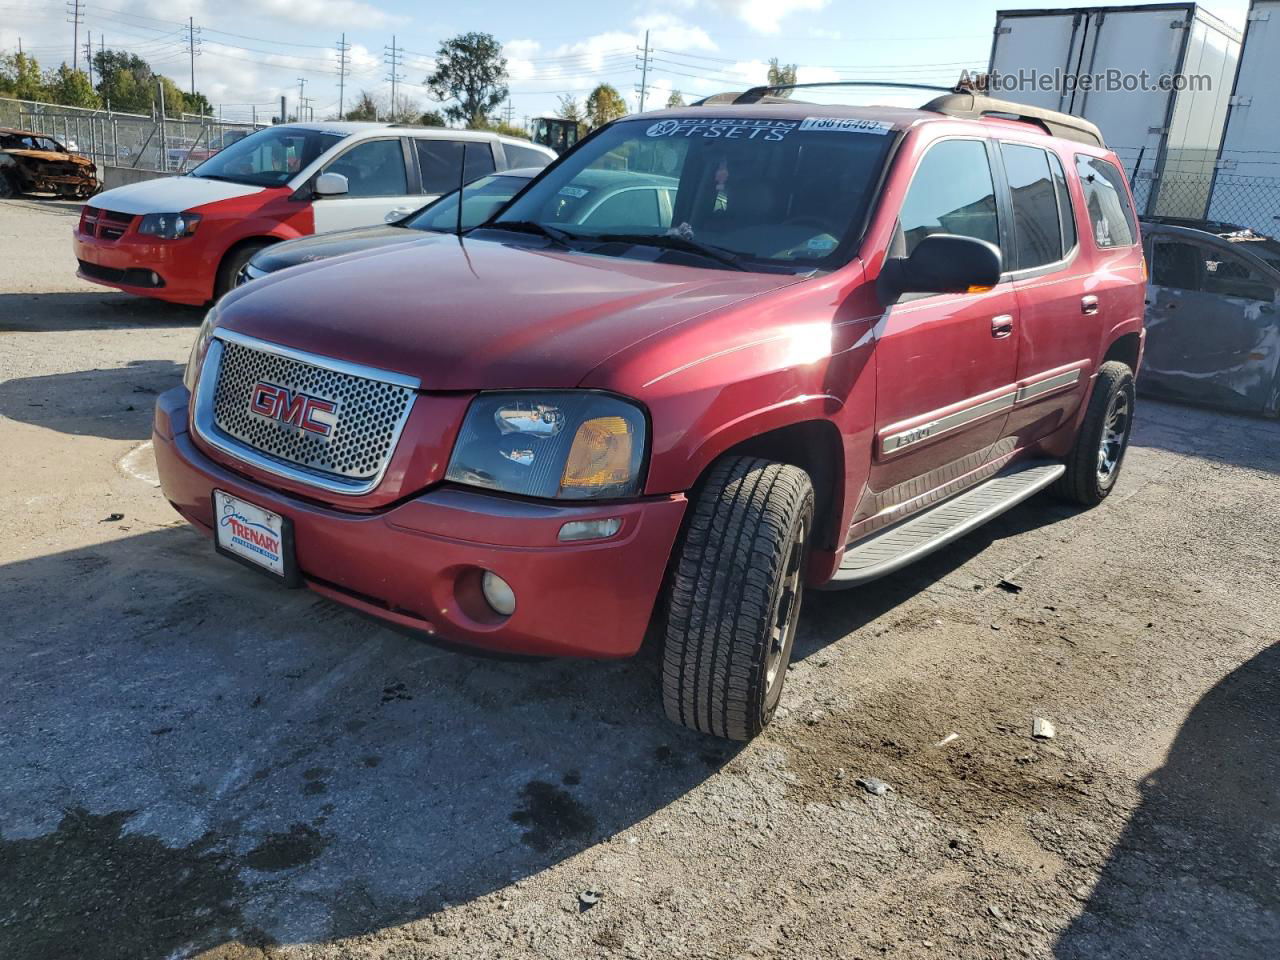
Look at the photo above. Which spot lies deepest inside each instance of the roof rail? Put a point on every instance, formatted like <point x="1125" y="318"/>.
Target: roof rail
<point x="757" y="94"/>
<point x="973" y="105"/>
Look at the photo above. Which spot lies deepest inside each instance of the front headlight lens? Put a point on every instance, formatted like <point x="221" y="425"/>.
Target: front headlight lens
<point x="198" y="350"/>
<point x="571" y="445"/>
<point x="169" y="226"/>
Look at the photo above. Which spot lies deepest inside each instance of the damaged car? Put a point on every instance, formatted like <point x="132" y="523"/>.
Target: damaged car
<point x="1213" y="331"/>
<point x="34" y="163"/>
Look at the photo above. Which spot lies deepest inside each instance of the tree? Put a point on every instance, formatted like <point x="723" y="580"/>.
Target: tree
<point x="198" y="104"/>
<point x="125" y="81"/>
<point x="20" y="78"/>
<point x="472" y="73"/>
<point x="569" y="108"/>
<point x="781" y="74"/>
<point x="366" y="108"/>
<point x="71" y="88"/>
<point x="432" y="118"/>
<point x="676" y="99"/>
<point x="604" y="104"/>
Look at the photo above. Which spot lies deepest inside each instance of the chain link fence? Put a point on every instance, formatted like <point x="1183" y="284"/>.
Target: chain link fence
<point x="159" y="144"/>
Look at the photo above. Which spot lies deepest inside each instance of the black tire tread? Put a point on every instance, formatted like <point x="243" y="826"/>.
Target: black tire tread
<point x="720" y="598"/>
<point x="1080" y="483"/>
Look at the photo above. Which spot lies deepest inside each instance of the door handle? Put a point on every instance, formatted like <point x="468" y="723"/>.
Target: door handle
<point x="1001" y="326"/>
<point x="1089" y="305"/>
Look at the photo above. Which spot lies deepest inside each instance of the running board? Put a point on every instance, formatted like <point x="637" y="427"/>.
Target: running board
<point x="919" y="535"/>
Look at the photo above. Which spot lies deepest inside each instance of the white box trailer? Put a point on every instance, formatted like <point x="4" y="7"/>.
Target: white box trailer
<point x="1115" y="66"/>
<point x="1246" y="186"/>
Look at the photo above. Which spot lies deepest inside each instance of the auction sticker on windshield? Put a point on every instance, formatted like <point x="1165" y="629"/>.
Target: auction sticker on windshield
<point x="252" y="535"/>
<point x="846" y="125"/>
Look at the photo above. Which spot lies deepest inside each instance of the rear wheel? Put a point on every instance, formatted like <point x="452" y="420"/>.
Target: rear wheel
<point x="232" y="264"/>
<point x="734" y="597"/>
<point x="1093" y="466"/>
<point x="7" y="189"/>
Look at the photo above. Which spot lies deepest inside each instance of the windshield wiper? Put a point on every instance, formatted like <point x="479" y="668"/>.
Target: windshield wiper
<point x="561" y="237"/>
<point x="671" y="241"/>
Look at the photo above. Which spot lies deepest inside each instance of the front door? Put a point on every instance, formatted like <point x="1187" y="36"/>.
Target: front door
<point x="945" y="364"/>
<point x="1213" y="333"/>
<point x="377" y="183"/>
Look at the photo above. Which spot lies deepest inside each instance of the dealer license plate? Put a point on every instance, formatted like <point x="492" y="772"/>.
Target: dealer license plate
<point x="253" y="535"/>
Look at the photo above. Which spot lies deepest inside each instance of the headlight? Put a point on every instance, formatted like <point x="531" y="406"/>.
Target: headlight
<point x="572" y="445"/>
<point x="169" y="226"/>
<point x="198" y="350"/>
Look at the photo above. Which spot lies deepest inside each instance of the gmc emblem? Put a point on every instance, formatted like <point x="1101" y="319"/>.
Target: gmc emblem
<point x="294" y="408"/>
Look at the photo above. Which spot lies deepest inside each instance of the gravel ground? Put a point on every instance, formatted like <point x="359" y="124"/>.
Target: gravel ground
<point x="198" y="764"/>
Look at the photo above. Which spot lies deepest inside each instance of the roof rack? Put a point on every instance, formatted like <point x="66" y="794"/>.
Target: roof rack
<point x="964" y="103"/>
<point x="954" y="102"/>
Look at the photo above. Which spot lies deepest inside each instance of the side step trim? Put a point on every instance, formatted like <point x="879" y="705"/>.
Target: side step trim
<point x="893" y="548"/>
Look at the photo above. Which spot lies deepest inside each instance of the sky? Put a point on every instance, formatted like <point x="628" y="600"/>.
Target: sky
<point x="250" y="52"/>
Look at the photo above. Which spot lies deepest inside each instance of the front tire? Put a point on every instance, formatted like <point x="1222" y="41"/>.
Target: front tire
<point x="231" y="266"/>
<point x="734" y="597"/>
<point x="1093" y="466"/>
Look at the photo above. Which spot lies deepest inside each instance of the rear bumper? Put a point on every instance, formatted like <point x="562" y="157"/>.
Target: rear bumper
<point x="418" y="564"/>
<point x="129" y="263"/>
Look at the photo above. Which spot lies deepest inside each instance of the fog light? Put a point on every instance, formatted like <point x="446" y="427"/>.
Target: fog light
<point x="498" y="593"/>
<point x="590" y="529"/>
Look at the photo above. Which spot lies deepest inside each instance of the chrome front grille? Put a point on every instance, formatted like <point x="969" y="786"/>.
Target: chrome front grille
<point x="368" y="412"/>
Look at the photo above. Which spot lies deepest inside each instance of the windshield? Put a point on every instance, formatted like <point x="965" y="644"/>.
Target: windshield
<point x="481" y="201"/>
<point x="268" y="158"/>
<point x="790" y="193"/>
<point x="26" y="141"/>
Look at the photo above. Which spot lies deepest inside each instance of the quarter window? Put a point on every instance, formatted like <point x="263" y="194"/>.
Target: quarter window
<point x="1036" y="228"/>
<point x="374" y="168"/>
<point x="952" y="192"/>
<point x="441" y="162"/>
<point x="1066" y="214"/>
<point x="1107" y="200"/>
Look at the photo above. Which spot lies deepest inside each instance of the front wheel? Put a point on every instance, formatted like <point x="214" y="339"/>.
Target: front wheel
<point x="734" y="597"/>
<point x="1093" y="466"/>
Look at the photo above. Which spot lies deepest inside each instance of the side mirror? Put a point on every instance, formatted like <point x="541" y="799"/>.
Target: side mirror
<point x="942" y="263"/>
<point x="331" y="185"/>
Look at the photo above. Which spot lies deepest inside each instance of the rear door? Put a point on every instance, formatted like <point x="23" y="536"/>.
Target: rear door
<point x="378" y="182"/>
<point x="1213" y="333"/>
<point x="1058" y="320"/>
<point x="945" y="363"/>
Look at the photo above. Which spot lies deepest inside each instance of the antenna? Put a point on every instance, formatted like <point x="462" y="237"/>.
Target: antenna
<point x="462" y="184"/>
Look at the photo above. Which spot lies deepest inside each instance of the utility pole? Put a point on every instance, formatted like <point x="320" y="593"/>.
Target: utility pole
<point x="394" y="58"/>
<point x="302" y="86"/>
<point x="88" y="54"/>
<point x="193" y="33"/>
<point x="343" y="70"/>
<point x="75" y="17"/>
<point x="510" y="112"/>
<point x="642" y="64"/>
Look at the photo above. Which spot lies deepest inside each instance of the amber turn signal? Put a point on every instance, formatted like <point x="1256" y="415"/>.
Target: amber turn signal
<point x="601" y="455"/>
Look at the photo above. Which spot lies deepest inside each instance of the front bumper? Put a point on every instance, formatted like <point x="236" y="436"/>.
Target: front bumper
<point x="418" y="564"/>
<point x="178" y="265"/>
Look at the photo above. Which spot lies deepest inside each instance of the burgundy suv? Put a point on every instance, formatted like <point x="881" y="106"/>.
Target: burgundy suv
<point x="842" y="338"/>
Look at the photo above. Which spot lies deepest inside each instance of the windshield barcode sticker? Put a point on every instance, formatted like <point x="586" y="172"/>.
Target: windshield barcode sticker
<point x="846" y="125"/>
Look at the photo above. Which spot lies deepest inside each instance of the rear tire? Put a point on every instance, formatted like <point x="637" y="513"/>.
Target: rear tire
<point x="232" y="264"/>
<point x="734" y="597"/>
<point x="1093" y="466"/>
<point x="7" y="189"/>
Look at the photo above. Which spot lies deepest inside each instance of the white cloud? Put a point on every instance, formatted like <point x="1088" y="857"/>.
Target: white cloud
<point x="327" y="12"/>
<point x="766" y="16"/>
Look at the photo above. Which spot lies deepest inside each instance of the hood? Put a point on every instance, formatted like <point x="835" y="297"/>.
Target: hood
<point x="486" y="315"/>
<point x="170" y="195"/>
<point x="321" y="246"/>
<point x="51" y="156"/>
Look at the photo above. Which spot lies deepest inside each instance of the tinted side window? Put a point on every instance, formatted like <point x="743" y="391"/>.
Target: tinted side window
<point x="1176" y="265"/>
<point x="441" y="161"/>
<point x="374" y="168"/>
<point x="952" y="192"/>
<point x="1036" y="230"/>
<point x="518" y="156"/>
<point x="1066" y="214"/>
<point x="1107" y="200"/>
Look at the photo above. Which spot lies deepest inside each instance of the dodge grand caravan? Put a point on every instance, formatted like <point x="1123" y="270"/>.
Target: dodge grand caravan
<point x="852" y="335"/>
<point x="185" y="239"/>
